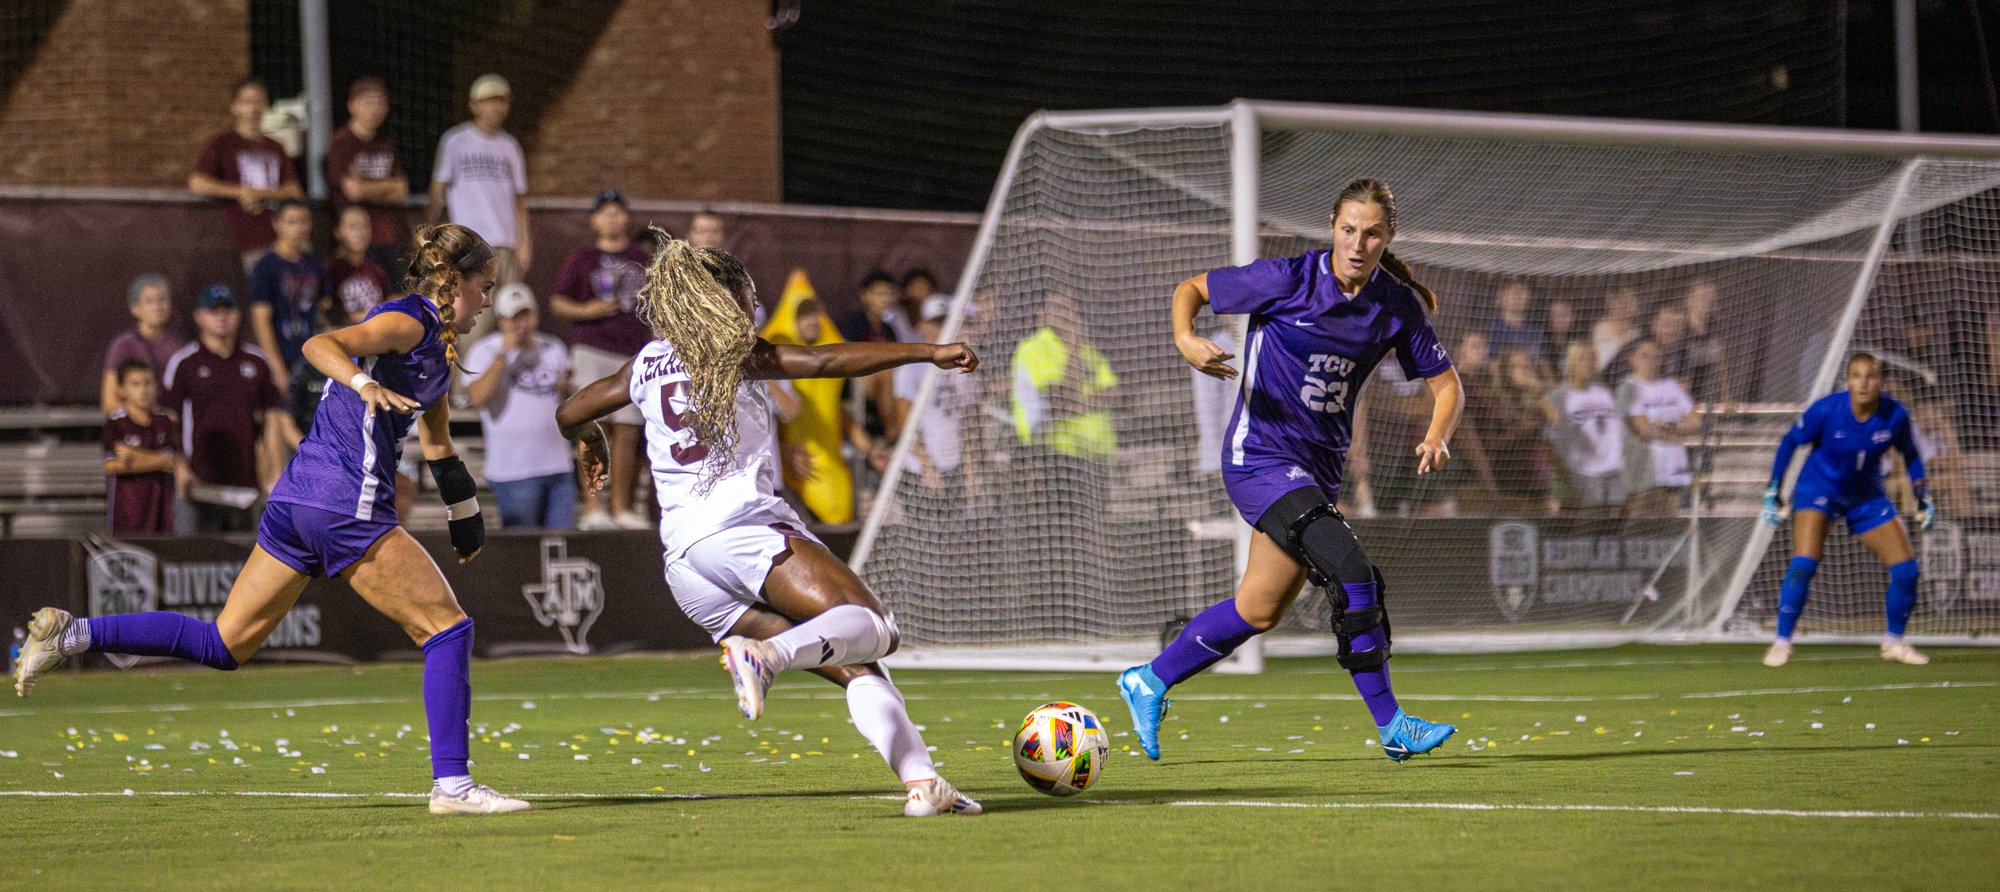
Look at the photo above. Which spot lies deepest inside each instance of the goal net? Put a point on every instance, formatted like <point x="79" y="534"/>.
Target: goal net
<point x="1637" y="311"/>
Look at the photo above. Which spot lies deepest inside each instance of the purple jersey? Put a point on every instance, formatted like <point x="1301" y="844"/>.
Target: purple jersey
<point x="1310" y="349"/>
<point x="347" y="463"/>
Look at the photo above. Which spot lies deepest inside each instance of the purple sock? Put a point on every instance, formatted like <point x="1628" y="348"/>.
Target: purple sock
<point x="1373" y="683"/>
<point x="448" y="697"/>
<point x="160" y="634"/>
<point x="1214" y="634"/>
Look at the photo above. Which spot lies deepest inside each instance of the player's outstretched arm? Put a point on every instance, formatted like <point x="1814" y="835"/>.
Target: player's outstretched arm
<point x="1449" y="403"/>
<point x="332" y="353"/>
<point x="769" y="361"/>
<point x="1189" y="297"/>
<point x="577" y="417"/>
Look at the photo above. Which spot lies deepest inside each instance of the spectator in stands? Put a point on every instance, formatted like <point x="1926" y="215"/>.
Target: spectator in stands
<point x="1661" y="416"/>
<point x="523" y="376"/>
<point x="1395" y="415"/>
<point x="482" y="178"/>
<point x="1589" y="434"/>
<point x="810" y="441"/>
<point x="934" y="458"/>
<point x="1619" y="327"/>
<point x="1700" y="356"/>
<point x="150" y="339"/>
<point x="359" y="283"/>
<point x="881" y="319"/>
<point x="226" y="395"/>
<point x="1564" y="328"/>
<point x="597" y="292"/>
<point x="291" y="300"/>
<point x="707" y="231"/>
<point x="1062" y="416"/>
<point x="917" y="286"/>
<point x="138" y="457"/>
<point x="248" y="169"/>
<point x="363" y="171"/>
<point x="1508" y="418"/>
<point x="1513" y="330"/>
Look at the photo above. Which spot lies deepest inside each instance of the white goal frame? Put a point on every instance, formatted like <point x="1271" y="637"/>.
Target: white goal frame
<point x="1249" y="120"/>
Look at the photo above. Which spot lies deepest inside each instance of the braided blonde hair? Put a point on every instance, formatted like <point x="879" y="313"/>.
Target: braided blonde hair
<point x="434" y="273"/>
<point x="690" y="301"/>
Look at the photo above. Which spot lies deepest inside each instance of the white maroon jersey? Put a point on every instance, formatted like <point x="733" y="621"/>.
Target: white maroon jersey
<point x="745" y="493"/>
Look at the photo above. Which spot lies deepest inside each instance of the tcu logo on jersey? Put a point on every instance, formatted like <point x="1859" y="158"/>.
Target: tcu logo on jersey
<point x="1321" y="394"/>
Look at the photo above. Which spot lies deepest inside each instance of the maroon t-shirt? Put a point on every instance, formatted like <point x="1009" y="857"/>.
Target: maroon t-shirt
<point x="259" y="163"/>
<point x="357" y="287"/>
<point x="219" y="399"/>
<point x="130" y="344"/>
<point x="590" y="274"/>
<point x="139" y="504"/>
<point x="370" y="159"/>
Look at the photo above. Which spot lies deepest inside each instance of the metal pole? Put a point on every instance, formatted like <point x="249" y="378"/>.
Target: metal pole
<point x="1246" y="146"/>
<point x="319" y="92"/>
<point x="1906" y="65"/>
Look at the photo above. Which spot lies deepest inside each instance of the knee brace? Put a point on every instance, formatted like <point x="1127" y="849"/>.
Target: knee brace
<point x="1314" y="534"/>
<point x="1350" y="624"/>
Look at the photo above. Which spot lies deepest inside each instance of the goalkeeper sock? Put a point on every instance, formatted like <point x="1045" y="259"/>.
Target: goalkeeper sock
<point x="849" y="633"/>
<point x="1372" y="683"/>
<point x="1213" y="634"/>
<point x="1792" y="597"/>
<point x="1902" y="596"/>
<point x="877" y="709"/>
<point x="161" y="633"/>
<point x="448" y="697"/>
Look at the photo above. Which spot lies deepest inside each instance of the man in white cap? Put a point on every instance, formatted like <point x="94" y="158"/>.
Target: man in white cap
<point x="523" y="376"/>
<point x="482" y="177"/>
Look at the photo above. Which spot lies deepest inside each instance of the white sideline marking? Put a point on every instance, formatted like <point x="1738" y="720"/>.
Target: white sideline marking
<point x="1827" y="690"/>
<point x="1233" y="803"/>
<point x="1654" y="809"/>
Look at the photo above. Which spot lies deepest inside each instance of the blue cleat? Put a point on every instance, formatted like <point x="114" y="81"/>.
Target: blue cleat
<point x="1406" y="736"/>
<point x="1145" y="695"/>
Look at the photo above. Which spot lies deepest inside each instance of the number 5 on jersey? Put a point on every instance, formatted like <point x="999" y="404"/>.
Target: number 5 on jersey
<point x="679" y="422"/>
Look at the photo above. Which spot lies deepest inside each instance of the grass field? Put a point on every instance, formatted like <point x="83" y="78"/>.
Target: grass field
<point x="1640" y="767"/>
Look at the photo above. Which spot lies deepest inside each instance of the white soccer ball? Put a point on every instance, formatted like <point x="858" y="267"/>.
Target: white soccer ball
<point x="1061" y="749"/>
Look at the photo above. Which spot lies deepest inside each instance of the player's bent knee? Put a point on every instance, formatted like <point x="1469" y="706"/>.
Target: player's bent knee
<point x="1349" y="627"/>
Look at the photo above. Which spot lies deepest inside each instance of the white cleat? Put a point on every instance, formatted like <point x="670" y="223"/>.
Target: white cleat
<point x="480" y="800"/>
<point x="938" y="797"/>
<point x="1899" y="652"/>
<point x="42" y="650"/>
<point x="1779" y="654"/>
<point x="752" y="664"/>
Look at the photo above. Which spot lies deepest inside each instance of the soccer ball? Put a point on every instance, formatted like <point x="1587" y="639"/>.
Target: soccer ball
<point x="1061" y="748"/>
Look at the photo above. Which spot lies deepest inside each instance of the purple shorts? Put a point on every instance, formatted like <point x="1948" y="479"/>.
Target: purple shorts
<point x="1254" y="488"/>
<point x="315" y="541"/>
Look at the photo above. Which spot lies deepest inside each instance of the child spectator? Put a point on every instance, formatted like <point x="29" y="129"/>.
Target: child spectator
<point x="138" y="457"/>
<point x="523" y="376"/>
<point x="248" y="169"/>
<point x="359" y="283"/>
<point x="225" y="393"/>
<point x="598" y="293"/>
<point x="290" y="301"/>
<point x="1661" y="415"/>
<point x="1588" y="432"/>
<point x="362" y="171"/>
<point x="707" y="231"/>
<point x="482" y="177"/>
<point x="150" y="340"/>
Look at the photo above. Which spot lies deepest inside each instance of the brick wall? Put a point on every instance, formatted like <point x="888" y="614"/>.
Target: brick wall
<point x="678" y="100"/>
<point x="122" y="94"/>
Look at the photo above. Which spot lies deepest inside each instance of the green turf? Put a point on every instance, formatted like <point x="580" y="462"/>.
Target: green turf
<point x="1274" y="786"/>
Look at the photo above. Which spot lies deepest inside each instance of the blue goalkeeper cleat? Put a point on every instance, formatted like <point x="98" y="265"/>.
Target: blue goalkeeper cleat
<point x="1406" y="736"/>
<point x="1145" y="695"/>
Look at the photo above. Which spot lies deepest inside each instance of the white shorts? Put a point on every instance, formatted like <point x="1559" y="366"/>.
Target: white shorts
<point x="589" y="364"/>
<point x="718" y="578"/>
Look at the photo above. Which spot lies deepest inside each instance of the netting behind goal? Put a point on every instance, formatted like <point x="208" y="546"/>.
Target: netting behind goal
<point x="1635" y="324"/>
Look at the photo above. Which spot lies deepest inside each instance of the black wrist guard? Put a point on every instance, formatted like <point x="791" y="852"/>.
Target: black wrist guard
<point x="461" y="505"/>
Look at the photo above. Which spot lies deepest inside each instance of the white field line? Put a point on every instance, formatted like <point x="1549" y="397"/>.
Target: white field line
<point x="724" y="694"/>
<point x="1237" y="803"/>
<point x="1593" y="664"/>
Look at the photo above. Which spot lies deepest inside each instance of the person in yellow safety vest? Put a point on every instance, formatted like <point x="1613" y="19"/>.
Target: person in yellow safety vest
<point x="1061" y="386"/>
<point x="811" y="437"/>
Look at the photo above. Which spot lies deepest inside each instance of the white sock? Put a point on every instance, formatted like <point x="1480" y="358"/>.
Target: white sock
<point x="456" y="785"/>
<point x="877" y="709"/>
<point x="1891" y="640"/>
<point x="842" y="636"/>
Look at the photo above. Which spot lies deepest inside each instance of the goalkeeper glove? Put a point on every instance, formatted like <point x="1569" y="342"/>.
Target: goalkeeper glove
<point x="1926" y="509"/>
<point x="1770" y="513"/>
<point x="461" y="506"/>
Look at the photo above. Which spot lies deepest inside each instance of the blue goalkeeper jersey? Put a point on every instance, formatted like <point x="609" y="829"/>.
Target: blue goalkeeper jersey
<point x="1846" y="461"/>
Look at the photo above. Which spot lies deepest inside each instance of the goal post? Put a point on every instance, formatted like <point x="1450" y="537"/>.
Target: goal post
<point x="1062" y="507"/>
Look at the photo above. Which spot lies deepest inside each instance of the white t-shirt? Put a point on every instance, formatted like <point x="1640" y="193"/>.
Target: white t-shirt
<point x="1663" y="401"/>
<point x="484" y="174"/>
<point x="1596" y="444"/>
<point x="744" y="494"/>
<point x="522" y="440"/>
<point x="937" y="426"/>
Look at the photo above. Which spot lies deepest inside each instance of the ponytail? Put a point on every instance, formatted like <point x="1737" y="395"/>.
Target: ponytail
<point x="1374" y="192"/>
<point x="437" y="269"/>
